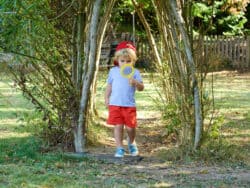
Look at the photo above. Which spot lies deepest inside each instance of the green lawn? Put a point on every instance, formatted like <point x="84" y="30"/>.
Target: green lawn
<point x="24" y="163"/>
<point x="232" y="100"/>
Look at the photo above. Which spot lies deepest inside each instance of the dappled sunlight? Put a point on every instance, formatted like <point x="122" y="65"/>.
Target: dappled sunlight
<point x="14" y="109"/>
<point x="234" y="114"/>
<point x="10" y="93"/>
<point x="147" y="114"/>
<point x="5" y="85"/>
<point x="241" y="139"/>
<point x="7" y="123"/>
<point x="8" y="134"/>
<point x="7" y="90"/>
<point x="145" y="102"/>
<point x="231" y="111"/>
<point x="11" y="108"/>
<point x="160" y="163"/>
<point x="164" y="184"/>
<point x="242" y="136"/>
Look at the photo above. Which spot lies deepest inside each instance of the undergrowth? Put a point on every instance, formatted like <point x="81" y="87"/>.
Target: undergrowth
<point x="216" y="151"/>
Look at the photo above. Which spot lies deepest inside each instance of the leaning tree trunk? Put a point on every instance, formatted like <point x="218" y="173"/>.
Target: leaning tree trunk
<point x="95" y="37"/>
<point x="198" y="117"/>
<point x="175" y="76"/>
<point x="182" y="68"/>
<point x="100" y="36"/>
<point x="148" y="31"/>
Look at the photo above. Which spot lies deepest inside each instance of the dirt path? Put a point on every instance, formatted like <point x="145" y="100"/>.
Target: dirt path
<point x="165" y="173"/>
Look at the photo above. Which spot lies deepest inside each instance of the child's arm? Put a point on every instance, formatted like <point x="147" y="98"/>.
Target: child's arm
<point x="107" y="94"/>
<point x="139" y="85"/>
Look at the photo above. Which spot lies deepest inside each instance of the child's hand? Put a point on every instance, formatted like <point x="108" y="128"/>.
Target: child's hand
<point x="133" y="82"/>
<point x="138" y="85"/>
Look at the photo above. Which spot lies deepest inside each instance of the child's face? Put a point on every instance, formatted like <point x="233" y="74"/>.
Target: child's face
<point x="123" y="60"/>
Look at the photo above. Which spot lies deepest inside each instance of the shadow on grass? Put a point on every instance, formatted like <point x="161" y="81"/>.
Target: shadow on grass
<point x="238" y="126"/>
<point x="14" y="149"/>
<point x="30" y="149"/>
<point x="9" y="114"/>
<point x="26" y="149"/>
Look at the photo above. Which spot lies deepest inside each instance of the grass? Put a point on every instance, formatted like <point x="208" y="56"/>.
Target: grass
<point x="25" y="163"/>
<point x="232" y="100"/>
<point x="229" y="141"/>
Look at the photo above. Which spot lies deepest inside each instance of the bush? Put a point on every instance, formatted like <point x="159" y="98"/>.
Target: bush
<point x="213" y="151"/>
<point x="218" y="62"/>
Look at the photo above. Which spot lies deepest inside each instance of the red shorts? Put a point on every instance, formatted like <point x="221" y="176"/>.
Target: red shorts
<point x="119" y="115"/>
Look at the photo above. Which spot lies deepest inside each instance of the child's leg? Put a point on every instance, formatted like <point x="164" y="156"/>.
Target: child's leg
<point x="118" y="134"/>
<point x="133" y="150"/>
<point x="131" y="134"/>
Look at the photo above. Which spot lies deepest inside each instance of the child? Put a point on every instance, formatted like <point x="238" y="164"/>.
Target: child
<point x="119" y="98"/>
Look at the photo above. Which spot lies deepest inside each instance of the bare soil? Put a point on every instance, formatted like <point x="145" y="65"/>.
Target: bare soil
<point x="151" y="170"/>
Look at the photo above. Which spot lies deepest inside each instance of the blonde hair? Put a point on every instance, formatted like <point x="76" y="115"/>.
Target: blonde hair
<point x="127" y="52"/>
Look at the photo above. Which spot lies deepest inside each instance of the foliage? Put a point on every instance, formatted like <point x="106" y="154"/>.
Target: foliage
<point x="219" y="17"/>
<point x="122" y="18"/>
<point x="177" y="83"/>
<point x="170" y="116"/>
<point x="56" y="46"/>
<point x="211" y="17"/>
<point x="177" y="75"/>
<point x="247" y="25"/>
<point x="41" y="63"/>
<point x="213" y="151"/>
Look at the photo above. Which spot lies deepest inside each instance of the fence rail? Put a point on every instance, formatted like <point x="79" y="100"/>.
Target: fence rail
<point x="236" y="49"/>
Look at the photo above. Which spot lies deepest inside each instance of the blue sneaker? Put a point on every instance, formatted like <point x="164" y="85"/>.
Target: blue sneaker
<point x="133" y="150"/>
<point x="119" y="152"/>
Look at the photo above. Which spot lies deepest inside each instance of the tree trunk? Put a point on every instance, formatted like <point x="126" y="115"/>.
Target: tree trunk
<point x="198" y="117"/>
<point x="96" y="33"/>
<point x="79" y="43"/>
<point x="77" y="63"/>
<point x="149" y="34"/>
<point x="100" y="36"/>
<point x="80" y="131"/>
<point x="74" y="56"/>
<point x="174" y="73"/>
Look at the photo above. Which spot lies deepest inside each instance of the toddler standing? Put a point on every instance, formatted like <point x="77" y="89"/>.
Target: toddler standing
<point x="119" y="98"/>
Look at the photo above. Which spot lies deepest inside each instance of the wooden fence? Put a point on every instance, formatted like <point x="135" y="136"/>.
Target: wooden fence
<point x="235" y="49"/>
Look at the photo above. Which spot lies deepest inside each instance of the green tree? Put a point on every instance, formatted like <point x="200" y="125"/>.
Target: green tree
<point x="219" y="17"/>
<point x="176" y="67"/>
<point x="56" y="46"/>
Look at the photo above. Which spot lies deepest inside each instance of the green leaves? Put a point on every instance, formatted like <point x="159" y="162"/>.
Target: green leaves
<point x="40" y="44"/>
<point x="233" y="23"/>
<point x="218" y="18"/>
<point x="201" y="10"/>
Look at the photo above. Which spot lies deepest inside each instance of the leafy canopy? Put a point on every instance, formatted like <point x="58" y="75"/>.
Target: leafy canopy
<point x="220" y="17"/>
